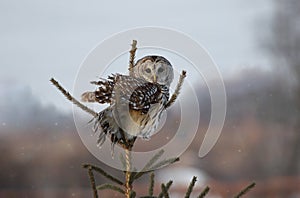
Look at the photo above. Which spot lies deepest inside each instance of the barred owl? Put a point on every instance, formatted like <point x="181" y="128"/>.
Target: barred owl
<point x="136" y="101"/>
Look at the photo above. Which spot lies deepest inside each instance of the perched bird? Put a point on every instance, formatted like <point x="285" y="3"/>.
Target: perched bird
<point x="136" y="101"/>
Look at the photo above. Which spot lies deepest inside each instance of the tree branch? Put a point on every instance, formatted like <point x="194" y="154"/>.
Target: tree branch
<point x="72" y="99"/>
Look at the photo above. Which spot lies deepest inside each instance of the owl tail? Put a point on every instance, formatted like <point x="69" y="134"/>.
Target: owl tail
<point x="106" y="125"/>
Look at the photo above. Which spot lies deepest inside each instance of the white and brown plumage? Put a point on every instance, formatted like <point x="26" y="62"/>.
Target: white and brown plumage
<point x="136" y="101"/>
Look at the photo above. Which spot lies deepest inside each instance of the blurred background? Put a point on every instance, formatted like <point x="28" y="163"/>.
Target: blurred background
<point x="255" y="44"/>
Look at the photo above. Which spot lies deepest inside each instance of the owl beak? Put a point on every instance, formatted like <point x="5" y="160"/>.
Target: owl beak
<point x="154" y="78"/>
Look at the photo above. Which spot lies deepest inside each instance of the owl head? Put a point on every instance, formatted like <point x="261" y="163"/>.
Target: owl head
<point x="155" y="69"/>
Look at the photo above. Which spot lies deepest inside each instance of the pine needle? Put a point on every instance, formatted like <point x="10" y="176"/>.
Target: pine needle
<point x="93" y="183"/>
<point x="204" y="192"/>
<point x="245" y="190"/>
<point x="165" y="162"/>
<point x="111" y="187"/>
<point x="132" y="194"/>
<point x="102" y="172"/>
<point x="164" y="191"/>
<point x="151" y="186"/>
<point x="168" y="185"/>
<point x="177" y="90"/>
<point x="190" y="188"/>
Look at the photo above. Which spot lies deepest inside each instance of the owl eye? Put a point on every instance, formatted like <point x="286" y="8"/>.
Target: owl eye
<point x="160" y="70"/>
<point x="148" y="70"/>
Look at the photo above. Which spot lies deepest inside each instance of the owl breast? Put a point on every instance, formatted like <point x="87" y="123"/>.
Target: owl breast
<point x="150" y="124"/>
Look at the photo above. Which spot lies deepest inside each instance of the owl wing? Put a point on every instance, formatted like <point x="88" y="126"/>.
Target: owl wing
<point x="103" y="94"/>
<point x="138" y="93"/>
<point x="144" y="95"/>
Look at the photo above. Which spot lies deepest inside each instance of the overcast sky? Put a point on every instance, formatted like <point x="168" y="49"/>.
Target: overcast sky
<point x="44" y="39"/>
